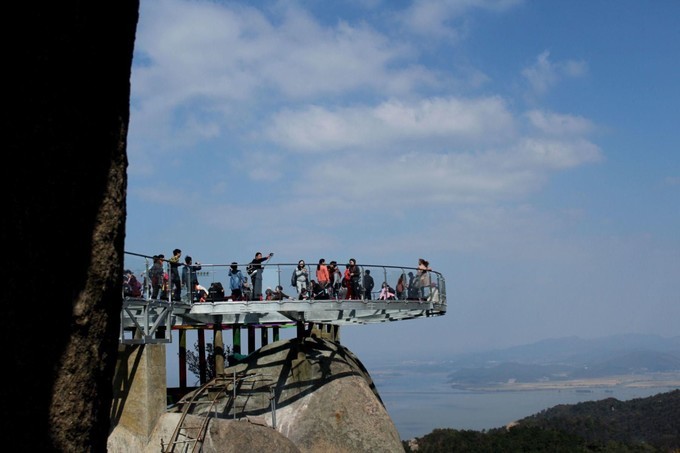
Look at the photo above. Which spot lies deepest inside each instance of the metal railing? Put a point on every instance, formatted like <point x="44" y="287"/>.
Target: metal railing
<point x="416" y="286"/>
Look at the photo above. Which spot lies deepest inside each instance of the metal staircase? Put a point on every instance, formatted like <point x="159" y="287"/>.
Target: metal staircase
<point x="189" y="437"/>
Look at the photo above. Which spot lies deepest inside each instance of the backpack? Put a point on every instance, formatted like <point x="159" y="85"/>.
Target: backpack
<point x="216" y="292"/>
<point x="156" y="274"/>
<point x="236" y="280"/>
<point x="250" y="269"/>
<point x="293" y="279"/>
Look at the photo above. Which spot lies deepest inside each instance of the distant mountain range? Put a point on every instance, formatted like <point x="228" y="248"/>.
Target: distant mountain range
<point x="573" y="350"/>
<point x="566" y="359"/>
<point x="556" y="360"/>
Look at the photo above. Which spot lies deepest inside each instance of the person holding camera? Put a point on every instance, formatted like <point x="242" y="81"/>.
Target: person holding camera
<point x="190" y="276"/>
<point x="255" y="270"/>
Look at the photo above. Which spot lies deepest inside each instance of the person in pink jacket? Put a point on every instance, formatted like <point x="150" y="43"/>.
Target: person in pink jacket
<point x="386" y="292"/>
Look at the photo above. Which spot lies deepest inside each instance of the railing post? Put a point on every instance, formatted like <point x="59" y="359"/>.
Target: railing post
<point x="264" y="335"/>
<point x="236" y="338"/>
<point x="182" y="358"/>
<point x="272" y="398"/>
<point x="202" y="365"/>
<point x="218" y="348"/>
<point x="251" y="339"/>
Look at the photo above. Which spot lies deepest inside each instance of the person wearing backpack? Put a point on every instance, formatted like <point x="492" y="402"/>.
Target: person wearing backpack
<point x="190" y="276"/>
<point x="236" y="280"/>
<point x="156" y="275"/>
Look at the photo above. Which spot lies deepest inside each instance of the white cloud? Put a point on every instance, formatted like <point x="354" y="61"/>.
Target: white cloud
<point x="234" y="53"/>
<point x="544" y="74"/>
<point x="406" y="181"/>
<point x="195" y="82"/>
<point x="557" y="154"/>
<point x="559" y="124"/>
<point x="436" y="17"/>
<point x="393" y="124"/>
<point x="227" y="64"/>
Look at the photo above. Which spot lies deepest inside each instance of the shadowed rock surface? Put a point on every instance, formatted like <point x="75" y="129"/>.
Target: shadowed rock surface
<point x="63" y="222"/>
<point x="225" y="436"/>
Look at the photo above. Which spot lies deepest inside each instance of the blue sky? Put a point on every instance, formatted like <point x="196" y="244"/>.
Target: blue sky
<point x="530" y="150"/>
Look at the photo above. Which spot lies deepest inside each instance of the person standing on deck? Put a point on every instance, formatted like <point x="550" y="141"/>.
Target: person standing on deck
<point x="175" y="280"/>
<point x="354" y="284"/>
<point x="335" y="278"/>
<point x="301" y="278"/>
<point x="236" y="280"/>
<point x="190" y="276"/>
<point x="368" y="284"/>
<point x="255" y="270"/>
<point x="402" y="291"/>
<point x="322" y="275"/>
<point x="156" y="275"/>
<point x="423" y="281"/>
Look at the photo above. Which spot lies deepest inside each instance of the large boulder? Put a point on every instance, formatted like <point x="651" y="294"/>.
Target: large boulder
<point x="329" y="402"/>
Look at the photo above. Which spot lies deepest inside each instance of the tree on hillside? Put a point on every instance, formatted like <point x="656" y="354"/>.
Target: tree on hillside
<point x="194" y="363"/>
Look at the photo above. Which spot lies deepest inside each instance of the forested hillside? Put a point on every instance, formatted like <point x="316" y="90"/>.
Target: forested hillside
<point x="640" y="425"/>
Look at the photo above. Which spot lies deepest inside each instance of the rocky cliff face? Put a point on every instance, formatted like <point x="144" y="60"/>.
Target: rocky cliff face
<point x="324" y="400"/>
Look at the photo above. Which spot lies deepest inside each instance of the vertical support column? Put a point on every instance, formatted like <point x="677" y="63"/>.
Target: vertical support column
<point x="275" y="333"/>
<point x="300" y="330"/>
<point x="251" y="339"/>
<point x="264" y="336"/>
<point x="202" y="365"/>
<point x="139" y="393"/>
<point x="182" y="358"/>
<point x="236" y="338"/>
<point x="219" y="349"/>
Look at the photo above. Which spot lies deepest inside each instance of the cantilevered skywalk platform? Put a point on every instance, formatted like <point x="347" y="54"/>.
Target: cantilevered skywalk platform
<point x="147" y="320"/>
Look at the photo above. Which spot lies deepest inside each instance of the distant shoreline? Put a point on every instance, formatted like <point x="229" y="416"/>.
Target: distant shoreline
<point x="651" y="380"/>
